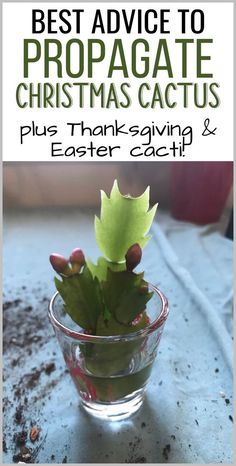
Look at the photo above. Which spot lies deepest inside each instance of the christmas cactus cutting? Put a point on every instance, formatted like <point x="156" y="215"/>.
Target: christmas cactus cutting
<point x="116" y="316"/>
<point x="107" y="298"/>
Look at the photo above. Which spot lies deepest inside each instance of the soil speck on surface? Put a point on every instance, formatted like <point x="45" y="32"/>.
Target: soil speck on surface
<point x="9" y="304"/>
<point x="18" y="414"/>
<point x="166" y="451"/>
<point x="25" y="456"/>
<point x="28" y="308"/>
<point x="140" y="459"/>
<point x="20" y="437"/>
<point x="32" y="378"/>
<point x="49" y="368"/>
<point x="64" y="459"/>
<point x="143" y="425"/>
<point x="134" y="452"/>
<point x="4" y="446"/>
<point x="231" y="418"/>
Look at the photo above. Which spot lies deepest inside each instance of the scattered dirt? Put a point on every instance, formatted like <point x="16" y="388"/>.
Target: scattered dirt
<point x="49" y="368"/>
<point x="134" y="451"/>
<point x="166" y="451"/>
<point x="31" y="325"/>
<point x="4" y="446"/>
<point x="24" y="455"/>
<point x="9" y="304"/>
<point x="19" y="414"/>
<point x="140" y="459"/>
<point x="31" y="379"/>
<point x="20" y="437"/>
<point x="26" y="331"/>
<point x="34" y="433"/>
<point x="17" y="393"/>
<point x="28" y="308"/>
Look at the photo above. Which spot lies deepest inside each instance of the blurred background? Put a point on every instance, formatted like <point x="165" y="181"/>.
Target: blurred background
<point x="197" y="192"/>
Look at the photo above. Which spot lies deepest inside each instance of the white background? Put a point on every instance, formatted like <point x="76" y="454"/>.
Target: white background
<point x="218" y="26"/>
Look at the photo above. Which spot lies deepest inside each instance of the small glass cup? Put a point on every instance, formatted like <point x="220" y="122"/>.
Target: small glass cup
<point x="110" y="372"/>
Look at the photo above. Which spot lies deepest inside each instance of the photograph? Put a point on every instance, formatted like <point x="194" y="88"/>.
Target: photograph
<point x="118" y="312"/>
<point x="118" y="186"/>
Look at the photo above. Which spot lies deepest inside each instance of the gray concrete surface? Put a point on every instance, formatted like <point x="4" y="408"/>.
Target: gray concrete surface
<point x="185" y="417"/>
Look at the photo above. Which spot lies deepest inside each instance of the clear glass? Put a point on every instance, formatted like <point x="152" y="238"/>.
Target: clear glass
<point x="110" y="372"/>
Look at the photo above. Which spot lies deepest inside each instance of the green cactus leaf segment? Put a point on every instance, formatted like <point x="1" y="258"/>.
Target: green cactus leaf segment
<point x="124" y="296"/>
<point x="124" y="220"/>
<point x="82" y="298"/>
<point x="103" y="361"/>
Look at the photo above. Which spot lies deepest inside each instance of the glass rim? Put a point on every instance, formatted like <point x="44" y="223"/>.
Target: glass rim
<point x="158" y="322"/>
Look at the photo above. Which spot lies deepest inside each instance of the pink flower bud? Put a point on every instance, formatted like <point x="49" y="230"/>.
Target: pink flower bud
<point x="77" y="257"/>
<point x="59" y="263"/>
<point x="133" y="257"/>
